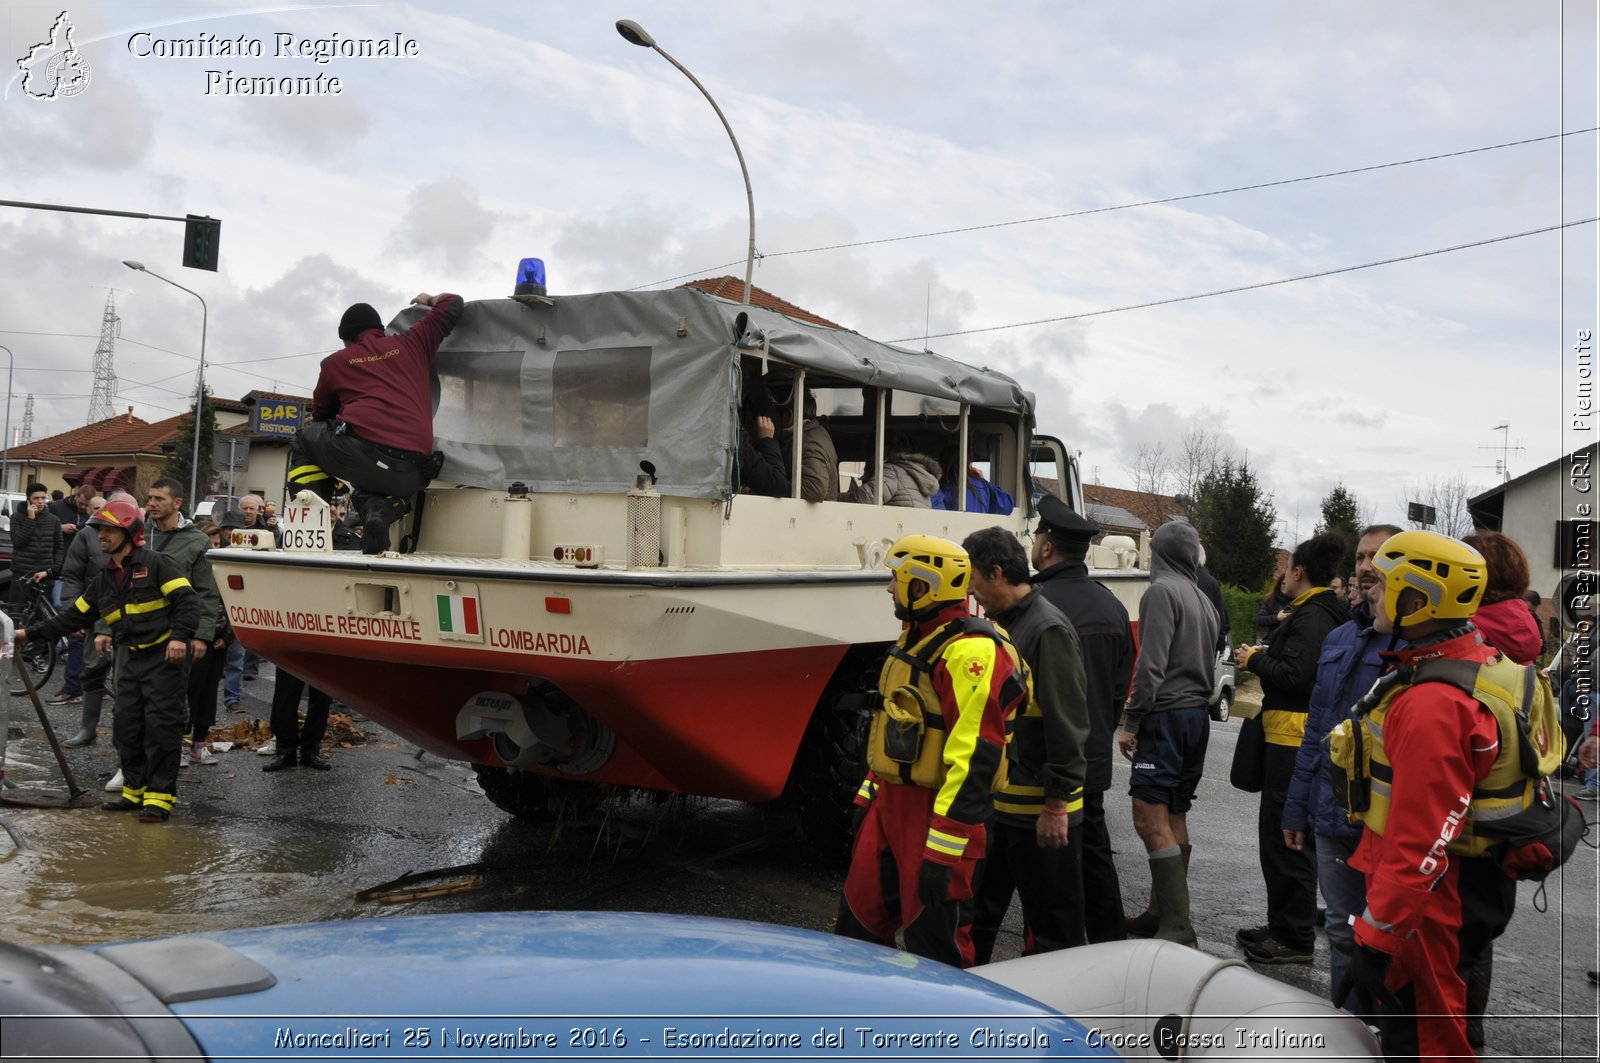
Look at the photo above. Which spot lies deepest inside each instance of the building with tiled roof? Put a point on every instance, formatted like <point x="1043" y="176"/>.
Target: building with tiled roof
<point x="125" y="451"/>
<point x="731" y="288"/>
<point x="1125" y="512"/>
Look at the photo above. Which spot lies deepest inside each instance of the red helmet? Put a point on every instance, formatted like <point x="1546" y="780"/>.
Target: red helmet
<point x="121" y="513"/>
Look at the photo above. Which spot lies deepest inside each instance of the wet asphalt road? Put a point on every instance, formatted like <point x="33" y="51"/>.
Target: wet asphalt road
<point x="247" y="848"/>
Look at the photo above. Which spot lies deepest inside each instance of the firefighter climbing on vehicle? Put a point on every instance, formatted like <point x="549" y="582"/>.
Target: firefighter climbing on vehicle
<point x="1443" y="760"/>
<point x="936" y="750"/>
<point x="372" y="416"/>
<point x="152" y="613"/>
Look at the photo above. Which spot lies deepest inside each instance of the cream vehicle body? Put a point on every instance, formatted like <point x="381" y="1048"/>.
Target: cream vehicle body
<point x="555" y="612"/>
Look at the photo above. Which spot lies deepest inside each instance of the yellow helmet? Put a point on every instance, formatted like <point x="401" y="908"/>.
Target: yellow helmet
<point x="1447" y="571"/>
<point x="939" y="563"/>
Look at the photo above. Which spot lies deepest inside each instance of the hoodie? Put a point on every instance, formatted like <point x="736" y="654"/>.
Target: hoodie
<point x="1178" y="630"/>
<point x="1508" y="625"/>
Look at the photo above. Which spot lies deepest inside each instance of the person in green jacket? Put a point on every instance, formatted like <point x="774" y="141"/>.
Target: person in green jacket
<point x="173" y="535"/>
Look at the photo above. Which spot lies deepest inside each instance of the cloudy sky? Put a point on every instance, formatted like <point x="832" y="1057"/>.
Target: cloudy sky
<point x="534" y="129"/>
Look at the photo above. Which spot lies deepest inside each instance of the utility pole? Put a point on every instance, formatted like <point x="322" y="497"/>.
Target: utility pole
<point x="105" y="377"/>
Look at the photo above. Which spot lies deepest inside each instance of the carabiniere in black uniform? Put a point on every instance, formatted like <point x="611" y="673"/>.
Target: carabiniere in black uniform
<point x="147" y="603"/>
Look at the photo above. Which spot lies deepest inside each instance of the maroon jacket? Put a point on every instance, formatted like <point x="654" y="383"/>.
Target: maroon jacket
<point x="381" y="385"/>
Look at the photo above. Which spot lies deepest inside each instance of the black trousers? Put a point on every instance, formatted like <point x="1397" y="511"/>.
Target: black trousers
<point x="1291" y="877"/>
<point x="1050" y="882"/>
<point x="369" y="468"/>
<point x="1102" y="891"/>
<point x="204" y="675"/>
<point x="148" y="723"/>
<point x="286" y="727"/>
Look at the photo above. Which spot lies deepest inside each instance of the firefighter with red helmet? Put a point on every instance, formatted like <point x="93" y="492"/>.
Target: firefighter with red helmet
<point x="152" y="613"/>
<point x="936" y="751"/>
<point x="1443" y="765"/>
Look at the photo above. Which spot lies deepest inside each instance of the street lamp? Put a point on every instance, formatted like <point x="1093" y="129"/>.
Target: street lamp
<point x="634" y="33"/>
<point x="200" y="383"/>
<point x="5" y="448"/>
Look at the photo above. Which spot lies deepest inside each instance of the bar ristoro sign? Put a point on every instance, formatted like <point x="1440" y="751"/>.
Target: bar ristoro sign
<point x="278" y="418"/>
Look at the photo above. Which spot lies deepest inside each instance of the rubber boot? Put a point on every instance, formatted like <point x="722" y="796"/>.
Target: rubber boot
<point x="90" y="721"/>
<point x="1146" y="923"/>
<point x="1169" y="882"/>
<point x="1478" y="983"/>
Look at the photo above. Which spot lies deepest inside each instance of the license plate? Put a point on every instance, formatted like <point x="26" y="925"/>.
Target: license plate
<point x="306" y="529"/>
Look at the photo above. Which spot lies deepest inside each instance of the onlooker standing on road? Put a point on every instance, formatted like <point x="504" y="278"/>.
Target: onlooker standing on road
<point x="233" y="665"/>
<point x="173" y="535"/>
<point x="1041" y="804"/>
<point x="1288" y="672"/>
<point x="152" y="612"/>
<point x="37" y="546"/>
<point x="1105" y="639"/>
<point x="1167" y="726"/>
<point x="253" y="508"/>
<point x="1506" y="622"/>
<point x="1346" y="669"/>
<point x="83" y="562"/>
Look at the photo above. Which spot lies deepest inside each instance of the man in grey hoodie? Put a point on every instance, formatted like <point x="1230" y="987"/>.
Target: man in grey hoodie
<point x="1166" y="726"/>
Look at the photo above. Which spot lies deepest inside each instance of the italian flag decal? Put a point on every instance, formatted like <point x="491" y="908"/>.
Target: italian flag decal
<point x="459" y="617"/>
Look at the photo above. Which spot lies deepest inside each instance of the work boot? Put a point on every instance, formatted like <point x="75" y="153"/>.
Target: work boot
<point x="89" y="722"/>
<point x="312" y="757"/>
<point x="375" y="518"/>
<point x="121" y="804"/>
<point x="1478" y="984"/>
<point x="1169" y="882"/>
<point x="1147" y="922"/>
<point x="281" y="761"/>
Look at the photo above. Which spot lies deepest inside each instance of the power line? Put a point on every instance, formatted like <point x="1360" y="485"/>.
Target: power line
<point x="1252" y="287"/>
<point x="1129" y="206"/>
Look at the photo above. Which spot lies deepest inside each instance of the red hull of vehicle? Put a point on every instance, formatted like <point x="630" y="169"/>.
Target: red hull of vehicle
<point x="717" y="725"/>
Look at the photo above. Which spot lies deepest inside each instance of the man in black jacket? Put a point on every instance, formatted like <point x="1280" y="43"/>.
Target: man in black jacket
<point x="36" y="544"/>
<point x="1030" y="850"/>
<point x="1106" y="642"/>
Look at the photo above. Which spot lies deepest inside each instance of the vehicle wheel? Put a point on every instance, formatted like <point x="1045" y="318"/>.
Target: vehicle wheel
<point x="832" y="758"/>
<point x="521" y="793"/>
<point x="1223" y="708"/>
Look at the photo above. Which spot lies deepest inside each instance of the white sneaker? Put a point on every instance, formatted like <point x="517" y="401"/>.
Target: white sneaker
<point x="269" y="748"/>
<point x="115" y="785"/>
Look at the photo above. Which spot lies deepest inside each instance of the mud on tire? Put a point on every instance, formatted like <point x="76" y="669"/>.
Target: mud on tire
<point x="537" y="798"/>
<point x="832" y="758"/>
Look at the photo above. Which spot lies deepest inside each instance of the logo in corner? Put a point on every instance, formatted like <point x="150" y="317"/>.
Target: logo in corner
<point x="55" y="68"/>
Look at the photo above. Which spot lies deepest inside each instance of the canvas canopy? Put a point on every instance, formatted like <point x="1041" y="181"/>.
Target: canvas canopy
<point x="572" y="397"/>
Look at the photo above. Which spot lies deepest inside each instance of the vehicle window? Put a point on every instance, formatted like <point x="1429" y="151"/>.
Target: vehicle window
<point x="602" y="397"/>
<point x="910" y="404"/>
<point x="839" y="402"/>
<point x="487" y="404"/>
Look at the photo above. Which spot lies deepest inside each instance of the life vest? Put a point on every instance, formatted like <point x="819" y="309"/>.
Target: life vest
<point x="1531" y="746"/>
<point x="906" y="740"/>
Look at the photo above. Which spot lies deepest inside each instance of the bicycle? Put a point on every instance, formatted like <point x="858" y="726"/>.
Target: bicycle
<point x="36" y="608"/>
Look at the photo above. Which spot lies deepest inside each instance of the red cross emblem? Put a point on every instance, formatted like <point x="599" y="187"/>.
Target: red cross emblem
<point x="975" y="669"/>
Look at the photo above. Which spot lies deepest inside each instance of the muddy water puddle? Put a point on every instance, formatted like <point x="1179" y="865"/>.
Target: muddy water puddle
<point x="243" y="849"/>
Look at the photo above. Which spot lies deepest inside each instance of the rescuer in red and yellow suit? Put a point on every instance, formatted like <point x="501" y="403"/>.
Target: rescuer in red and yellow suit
<point x="1431" y="909"/>
<point x="936" y="751"/>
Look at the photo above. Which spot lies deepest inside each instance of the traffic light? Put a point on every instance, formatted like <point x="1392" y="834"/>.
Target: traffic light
<point x="200" y="239"/>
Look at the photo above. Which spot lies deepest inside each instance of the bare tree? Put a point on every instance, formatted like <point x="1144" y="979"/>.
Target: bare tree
<point x="1200" y="452"/>
<point x="1448" y="497"/>
<point x="1151" y="469"/>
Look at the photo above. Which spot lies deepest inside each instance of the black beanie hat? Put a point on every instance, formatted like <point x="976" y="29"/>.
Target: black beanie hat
<point x="358" y="319"/>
